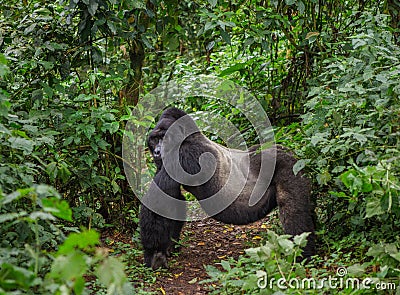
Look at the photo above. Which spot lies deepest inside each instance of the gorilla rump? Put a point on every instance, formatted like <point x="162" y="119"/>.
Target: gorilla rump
<point x="232" y="194"/>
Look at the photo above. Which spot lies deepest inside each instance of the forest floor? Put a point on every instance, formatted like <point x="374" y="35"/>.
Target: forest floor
<point x="205" y="242"/>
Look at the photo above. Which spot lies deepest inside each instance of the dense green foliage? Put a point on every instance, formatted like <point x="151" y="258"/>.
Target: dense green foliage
<point x="351" y="129"/>
<point x="327" y="73"/>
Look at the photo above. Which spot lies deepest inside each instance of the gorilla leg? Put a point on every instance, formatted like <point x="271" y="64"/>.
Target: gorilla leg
<point x="175" y="235"/>
<point x="292" y="195"/>
<point x="159" y="259"/>
<point x="157" y="234"/>
<point x="296" y="218"/>
<point x="154" y="234"/>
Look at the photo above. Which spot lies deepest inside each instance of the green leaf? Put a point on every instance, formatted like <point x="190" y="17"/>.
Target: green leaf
<point x="146" y="42"/>
<point x="20" y="133"/>
<point x="47" y="89"/>
<point x="232" y="69"/>
<point x="115" y="187"/>
<point x="213" y="3"/>
<point x="225" y="265"/>
<point x="59" y="208"/>
<point x="46" y="191"/>
<point x="68" y="140"/>
<point x="172" y="42"/>
<point x="88" y="130"/>
<point x="301" y="240"/>
<point x="324" y="177"/>
<point x="51" y="170"/>
<point x="356" y="182"/>
<point x="79" y="284"/>
<point x="37" y="94"/>
<point x="30" y="29"/>
<point x="114" y="127"/>
<point x="396" y="256"/>
<point x="11" y="216"/>
<point x="84" y="97"/>
<point x="253" y="252"/>
<point x="348" y="177"/>
<point x="318" y="137"/>
<point x="338" y="169"/>
<point x="3" y="68"/>
<point x="209" y="26"/>
<point x="101" y="143"/>
<point x="14" y="277"/>
<point x="366" y="186"/>
<point x="3" y="59"/>
<point x="22" y="144"/>
<point x="360" y="138"/>
<point x="374" y="207"/>
<point x="300" y="164"/>
<point x="92" y="7"/>
<point x="64" y="173"/>
<point x="47" y="66"/>
<point x="41" y="215"/>
<point x="81" y="240"/>
<point x="301" y="7"/>
<point x="376" y="250"/>
<point x="225" y="36"/>
<point x="356" y="270"/>
<point x="265" y="251"/>
<point x="112" y="27"/>
<point x="111" y="273"/>
<point x="18" y="194"/>
<point x="248" y="42"/>
<point x="69" y="267"/>
<point x="4" y="130"/>
<point x="287" y="245"/>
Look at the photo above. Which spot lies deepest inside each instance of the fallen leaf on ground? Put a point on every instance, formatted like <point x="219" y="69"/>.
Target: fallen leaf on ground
<point x="221" y="257"/>
<point x="193" y="281"/>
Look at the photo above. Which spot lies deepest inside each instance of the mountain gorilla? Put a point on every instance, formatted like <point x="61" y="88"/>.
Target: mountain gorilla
<point x="233" y="182"/>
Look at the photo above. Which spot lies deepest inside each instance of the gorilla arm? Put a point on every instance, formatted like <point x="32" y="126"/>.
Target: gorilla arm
<point x="157" y="232"/>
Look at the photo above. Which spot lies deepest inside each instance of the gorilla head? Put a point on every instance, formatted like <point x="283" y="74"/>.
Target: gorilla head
<point x="156" y="136"/>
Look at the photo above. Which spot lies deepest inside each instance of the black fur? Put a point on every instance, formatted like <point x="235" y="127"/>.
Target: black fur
<point x="287" y="191"/>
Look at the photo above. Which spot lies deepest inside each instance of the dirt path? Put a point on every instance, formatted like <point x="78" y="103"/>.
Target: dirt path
<point x="205" y="242"/>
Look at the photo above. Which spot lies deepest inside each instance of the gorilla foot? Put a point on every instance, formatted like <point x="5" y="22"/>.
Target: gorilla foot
<point x="159" y="260"/>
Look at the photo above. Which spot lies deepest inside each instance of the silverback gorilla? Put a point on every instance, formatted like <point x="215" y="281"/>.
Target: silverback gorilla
<point x="289" y="192"/>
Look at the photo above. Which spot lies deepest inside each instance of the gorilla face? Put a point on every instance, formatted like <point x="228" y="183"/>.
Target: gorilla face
<point x="156" y="148"/>
<point x="156" y="136"/>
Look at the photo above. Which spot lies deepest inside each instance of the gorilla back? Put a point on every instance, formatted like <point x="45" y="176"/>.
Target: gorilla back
<point x="232" y="186"/>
